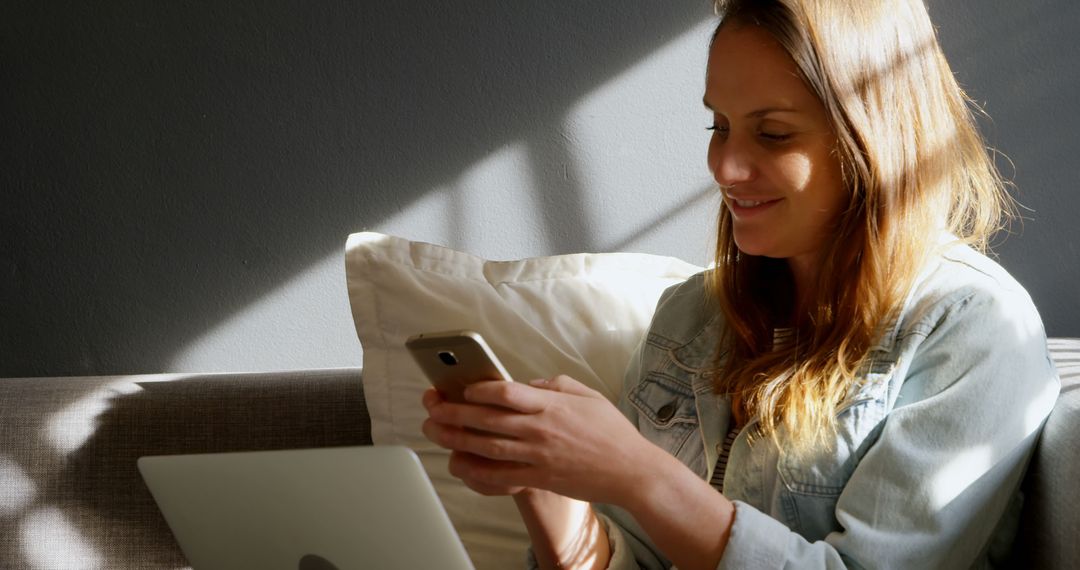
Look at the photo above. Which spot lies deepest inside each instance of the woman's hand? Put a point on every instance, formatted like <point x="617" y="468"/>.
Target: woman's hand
<point x="560" y="436"/>
<point x="557" y="434"/>
<point x="439" y="433"/>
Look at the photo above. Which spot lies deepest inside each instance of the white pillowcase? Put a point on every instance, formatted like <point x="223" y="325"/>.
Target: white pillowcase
<point x="580" y="314"/>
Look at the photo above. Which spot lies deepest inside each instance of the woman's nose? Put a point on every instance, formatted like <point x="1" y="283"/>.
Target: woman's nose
<point x="730" y="163"/>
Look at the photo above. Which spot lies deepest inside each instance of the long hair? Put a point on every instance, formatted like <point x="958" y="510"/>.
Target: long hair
<point x="914" y="166"/>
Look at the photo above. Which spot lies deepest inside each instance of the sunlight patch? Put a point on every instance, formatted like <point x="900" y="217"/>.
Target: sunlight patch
<point x="51" y="542"/>
<point x="654" y="110"/>
<point x="17" y="489"/>
<point x="70" y="428"/>
<point x="303" y="320"/>
<point x="427" y="218"/>
<point x="489" y="210"/>
<point x="498" y="217"/>
<point x="958" y="475"/>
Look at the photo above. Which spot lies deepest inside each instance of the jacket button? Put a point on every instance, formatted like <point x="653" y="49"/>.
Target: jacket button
<point x="666" y="412"/>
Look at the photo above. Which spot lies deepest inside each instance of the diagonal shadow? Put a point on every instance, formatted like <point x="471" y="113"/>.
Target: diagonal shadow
<point x="698" y="199"/>
<point x="170" y="163"/>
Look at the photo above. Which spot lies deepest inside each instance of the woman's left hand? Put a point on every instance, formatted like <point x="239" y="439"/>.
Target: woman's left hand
<point x="556" y="434"/>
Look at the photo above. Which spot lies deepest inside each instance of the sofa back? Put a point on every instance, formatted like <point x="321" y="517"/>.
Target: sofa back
<point x="1049" y="533"/>
<point x="71" y="497"/>
<point x="70" y="493"/>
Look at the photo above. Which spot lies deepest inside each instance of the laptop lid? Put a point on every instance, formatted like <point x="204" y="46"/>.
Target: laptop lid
<point x="309" y="509"/>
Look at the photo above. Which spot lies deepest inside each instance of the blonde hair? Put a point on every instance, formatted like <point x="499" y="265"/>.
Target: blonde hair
<point x="914" y="165"/>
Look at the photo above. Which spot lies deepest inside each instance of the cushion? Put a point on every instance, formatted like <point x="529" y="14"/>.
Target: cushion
<point x="580" y="314"/>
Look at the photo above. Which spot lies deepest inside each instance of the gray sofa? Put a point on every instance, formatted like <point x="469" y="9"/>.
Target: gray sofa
<point x="70" y="495"/>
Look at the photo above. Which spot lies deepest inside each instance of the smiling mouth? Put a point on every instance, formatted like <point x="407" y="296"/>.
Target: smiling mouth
<point x="751" y="203"/>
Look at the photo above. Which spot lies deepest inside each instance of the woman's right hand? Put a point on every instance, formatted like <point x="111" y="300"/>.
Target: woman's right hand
<point x="438" y="432"/>
<point x="554" y="434"/>
<point x="565" y="532"/>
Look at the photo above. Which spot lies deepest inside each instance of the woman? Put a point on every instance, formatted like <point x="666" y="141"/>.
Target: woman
<point x="853" y="385"/>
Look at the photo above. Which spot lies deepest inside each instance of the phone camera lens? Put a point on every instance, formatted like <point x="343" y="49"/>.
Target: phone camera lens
<point x="447" y="358"/>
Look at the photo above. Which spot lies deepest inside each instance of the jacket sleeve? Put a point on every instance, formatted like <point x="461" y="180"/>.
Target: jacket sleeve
<point x="932" y="489"/>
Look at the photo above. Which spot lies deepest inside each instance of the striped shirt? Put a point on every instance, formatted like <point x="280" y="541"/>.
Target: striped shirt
<point x="782" y="338"/>
<point x="717" y="480"/>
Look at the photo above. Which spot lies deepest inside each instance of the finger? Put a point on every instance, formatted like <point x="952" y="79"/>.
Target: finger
<point x="486" y="473"/>
<point x="565" y="384"/>
<point x="492" y="490"/>
<point x="430" y="398"/>
<point x="510" y="395"/>
<point x="467" y="440"/>
<point x="453" y="437"/>
<point x="433" y="431"/>
<point x="482" y="444"/>
<point x="491" y="419"/>
<point x="457" y="464"/>
<point x="480" y="417"/>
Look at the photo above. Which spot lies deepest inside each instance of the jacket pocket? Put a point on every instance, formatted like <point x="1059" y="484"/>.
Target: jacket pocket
<point x="666" y="411"/>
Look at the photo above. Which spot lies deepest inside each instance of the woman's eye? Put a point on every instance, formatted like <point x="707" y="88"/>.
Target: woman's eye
<point x="774" y="137"/>
<point x="716" y="128"/>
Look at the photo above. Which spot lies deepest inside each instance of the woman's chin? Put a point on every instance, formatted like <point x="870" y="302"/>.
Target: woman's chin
<point x="752" y="247"/>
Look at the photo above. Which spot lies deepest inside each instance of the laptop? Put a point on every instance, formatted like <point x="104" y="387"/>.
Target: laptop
<point x="311" y="509"/>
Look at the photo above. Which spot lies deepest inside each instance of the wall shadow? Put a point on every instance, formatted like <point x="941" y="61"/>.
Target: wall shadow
<point x="168" y="164"/>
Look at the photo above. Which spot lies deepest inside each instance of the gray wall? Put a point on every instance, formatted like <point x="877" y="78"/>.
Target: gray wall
<point x="179" y="178"/>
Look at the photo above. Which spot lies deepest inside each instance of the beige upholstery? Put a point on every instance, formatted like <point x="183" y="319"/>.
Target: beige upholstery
<point x="70" y="495"/>
<point x="1049" y="534"/>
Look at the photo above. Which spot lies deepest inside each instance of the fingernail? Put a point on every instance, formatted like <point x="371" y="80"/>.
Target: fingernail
<point x="538" y="382"/>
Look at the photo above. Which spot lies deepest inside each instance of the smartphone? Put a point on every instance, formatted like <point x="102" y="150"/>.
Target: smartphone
<point x="454" y="359"/>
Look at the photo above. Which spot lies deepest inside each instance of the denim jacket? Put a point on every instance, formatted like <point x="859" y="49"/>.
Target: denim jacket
<point x="931" y="445"/>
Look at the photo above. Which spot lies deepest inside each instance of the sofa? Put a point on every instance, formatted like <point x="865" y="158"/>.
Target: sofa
<point x="71" y="497"/>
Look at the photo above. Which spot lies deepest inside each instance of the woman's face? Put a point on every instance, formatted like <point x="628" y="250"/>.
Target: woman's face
<point x="772" y="148"/>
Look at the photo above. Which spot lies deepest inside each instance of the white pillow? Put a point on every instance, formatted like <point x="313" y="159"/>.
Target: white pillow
<point x="580" y="314"/>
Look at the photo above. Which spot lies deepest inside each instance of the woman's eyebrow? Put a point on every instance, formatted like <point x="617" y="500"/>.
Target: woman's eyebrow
<point x="770" y="110"/>
<point x="759" y="112"/>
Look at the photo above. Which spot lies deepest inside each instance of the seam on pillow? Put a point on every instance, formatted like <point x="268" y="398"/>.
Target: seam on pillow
<point x="368" y="294"/>
<point x="583" y="272"/>
<point x="384" y="361"/>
